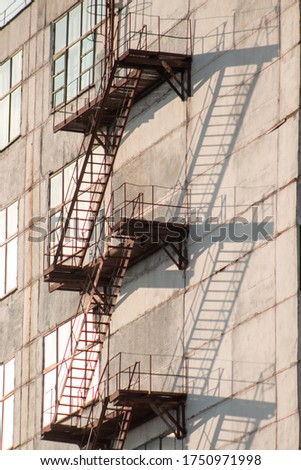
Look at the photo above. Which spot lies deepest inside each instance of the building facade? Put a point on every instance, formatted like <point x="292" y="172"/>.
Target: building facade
<point x="149" y="224"/>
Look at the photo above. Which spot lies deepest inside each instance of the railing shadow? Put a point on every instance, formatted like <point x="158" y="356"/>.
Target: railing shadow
<point x="218" y="269"/>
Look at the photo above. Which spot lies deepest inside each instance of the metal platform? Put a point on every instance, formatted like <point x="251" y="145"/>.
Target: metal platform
<point x="150" y="236"/>
<point x="156" y="67"/>
<point x="145" y="406"/>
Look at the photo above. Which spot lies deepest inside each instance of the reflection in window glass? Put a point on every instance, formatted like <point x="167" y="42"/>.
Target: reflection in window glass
<point x="10" y="99"/>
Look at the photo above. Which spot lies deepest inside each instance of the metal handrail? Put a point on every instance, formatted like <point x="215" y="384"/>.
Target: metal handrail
<point x="146" y="209"/>
<point x="7" y="16"/>
<point x="142" y="38"/>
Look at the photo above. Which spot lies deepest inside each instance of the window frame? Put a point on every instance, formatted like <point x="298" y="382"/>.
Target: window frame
<point x="66" y="190"/>
<point x="64" y="53"/>
<point x="5" y="243"/>
<point x="59" y="366"/>
<point x="12" y="89"/>
<point x="4" y="397"/>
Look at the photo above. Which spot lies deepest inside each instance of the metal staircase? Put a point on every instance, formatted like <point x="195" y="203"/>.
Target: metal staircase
<point x="129" y="72"/>
<point x="78" y="216"/>
<point x="126" y="414"/>
<point x="94" y="313"/>
<point x="126" y="78"/>
<point x="120" y="417"/>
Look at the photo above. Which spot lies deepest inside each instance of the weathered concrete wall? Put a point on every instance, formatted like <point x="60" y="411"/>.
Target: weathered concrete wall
<point x="233" y="313"/>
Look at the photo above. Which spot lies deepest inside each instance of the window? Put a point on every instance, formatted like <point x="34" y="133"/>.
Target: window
<point x="8" y="249"/>
<point x="10" y="99"/>
<point x="62" y="186"/>
<point x="7" y="384"/>
<point x="59" y="346"/>
<point x="74" y="50"/>
<point x="11" y="8"/>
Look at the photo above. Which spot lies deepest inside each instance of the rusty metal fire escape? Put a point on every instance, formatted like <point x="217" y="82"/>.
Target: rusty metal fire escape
<point x="127" y="77"/>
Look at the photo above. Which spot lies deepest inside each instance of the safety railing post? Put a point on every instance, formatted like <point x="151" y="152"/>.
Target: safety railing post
<point x="186" y="364"/>
<point x="150" y="373"/>
<point x="124" y="200"/>
<point x="130" y="32"/>
<point x="159" y="34"/>
<point x="119" y="366"/>
<point x="153" y="202"/>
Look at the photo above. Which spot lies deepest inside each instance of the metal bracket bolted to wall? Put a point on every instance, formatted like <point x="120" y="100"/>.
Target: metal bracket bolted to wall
<point x="176" y="425"/>
<point x="181" y="252"/>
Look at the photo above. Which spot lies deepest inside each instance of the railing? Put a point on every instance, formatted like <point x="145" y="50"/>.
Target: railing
<point x="156" y="203"/>
<point x="153" y="33"/>
<point x="135" y="31"/>
<point x="12" y="10"/>
<point x="136" y="202"/>
<point x="124" y="371"/>
<point x="83" y="97"/>
<point x="147" y="372"/>
<point x="128" y="201"/>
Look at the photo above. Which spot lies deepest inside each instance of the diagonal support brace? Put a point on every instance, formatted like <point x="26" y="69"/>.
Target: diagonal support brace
<point x="181" y="254"/>
<point x="176" y="425"/>
<point x="177" y="85"/>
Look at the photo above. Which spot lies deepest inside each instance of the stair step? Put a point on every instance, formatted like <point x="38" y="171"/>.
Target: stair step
<point x="78" y="388"/>
<point x="85" y="360"/>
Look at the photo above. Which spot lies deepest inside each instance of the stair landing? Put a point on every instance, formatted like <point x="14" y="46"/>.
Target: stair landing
<point x="153" y="70"/>
<point x="140" y="400"/>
